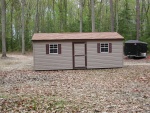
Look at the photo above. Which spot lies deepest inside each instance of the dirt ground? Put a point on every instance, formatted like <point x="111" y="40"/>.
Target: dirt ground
<point x="119" y="90"/>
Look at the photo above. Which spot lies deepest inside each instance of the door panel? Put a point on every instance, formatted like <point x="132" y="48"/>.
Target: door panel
<point x="79" y="49"/>
<point x="79" y="61"/>
<point x="79" y="55"/>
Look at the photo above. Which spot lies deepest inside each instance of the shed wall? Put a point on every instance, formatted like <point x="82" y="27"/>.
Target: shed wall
<point x="43" y="61"/>
<point x="105" y="60"/>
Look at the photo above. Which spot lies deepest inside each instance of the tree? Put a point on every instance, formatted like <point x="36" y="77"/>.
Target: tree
<point x="61" y="25"/>
<point x="112" y="15"/>
<point x="100" y="15"/>
<point x="126" y="22"/>
<point x="37" y="17"/>
<point x="11" y="25"/>
<point x="65" y="18"/>
<point x="81" y="15"/>
<point x="54" y="15"/>
<point x="23" y="26"/>
<point x="3" y="9"/>
<point x="137" y="19"/>
<point x="93" y="15"/>
<point x="116" y="15"/>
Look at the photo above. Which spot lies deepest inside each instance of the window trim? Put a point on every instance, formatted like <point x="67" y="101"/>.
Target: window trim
<point x="53" y="48"/>
<point x="104" y="47"/>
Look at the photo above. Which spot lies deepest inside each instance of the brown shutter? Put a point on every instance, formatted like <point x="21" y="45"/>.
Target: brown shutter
<point x="98" y="47"/>
<point x="59" y="48"/>
<point x="110" y="47"/>
<point x="47" y="48"/>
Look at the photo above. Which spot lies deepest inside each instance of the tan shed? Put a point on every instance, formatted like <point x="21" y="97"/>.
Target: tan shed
<point x="58" y="51"/>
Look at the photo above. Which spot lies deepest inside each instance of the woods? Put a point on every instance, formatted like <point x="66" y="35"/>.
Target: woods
<point x="20" y="19"/>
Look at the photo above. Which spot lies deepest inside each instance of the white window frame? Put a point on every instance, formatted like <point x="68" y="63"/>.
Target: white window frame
<point x="53" y="48"/>
<point x="104" y="47"/>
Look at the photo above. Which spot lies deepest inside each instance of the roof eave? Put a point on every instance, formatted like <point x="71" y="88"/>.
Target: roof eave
<point x="76" y="39"/>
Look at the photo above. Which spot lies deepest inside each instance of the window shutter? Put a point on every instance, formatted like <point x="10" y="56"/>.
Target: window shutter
<point x="47" y="48"/>
<point x="98" y="47"/>
<point x="110" y="47"/>
<point x="59" y="48"/>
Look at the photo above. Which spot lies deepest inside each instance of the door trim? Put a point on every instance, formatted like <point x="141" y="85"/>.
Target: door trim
<point x="73" y="55"/>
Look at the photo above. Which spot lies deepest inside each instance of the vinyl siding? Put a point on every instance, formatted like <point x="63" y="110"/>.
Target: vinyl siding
<point x="105" y="60"/>
<point x="43" y="61"/>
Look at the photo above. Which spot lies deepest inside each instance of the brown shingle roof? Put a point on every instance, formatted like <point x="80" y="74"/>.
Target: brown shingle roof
<point x="76" y="36"/>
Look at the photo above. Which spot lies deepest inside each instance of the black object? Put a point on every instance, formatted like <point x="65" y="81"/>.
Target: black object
<point x="135" y="48"/>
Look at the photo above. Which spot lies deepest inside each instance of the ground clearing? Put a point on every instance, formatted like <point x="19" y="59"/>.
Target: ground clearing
<point x="102" y="90"/>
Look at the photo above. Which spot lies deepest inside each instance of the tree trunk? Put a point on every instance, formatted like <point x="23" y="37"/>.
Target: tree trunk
<point x="49" y="18"/>
<point x="93" y="15"/>
<point x="36" y="29"/>
<point x="11" y="15"/>
<point x="54" y="16"/>
<point x="22" y="21"/>
<point x="65" y="18"/>
<point x="147" y="12"/>
<point x="61" y="15"/>
<point x="143" y="10"/>
<point x="137" y="19"/>
<point x="3" y="8"/>
<point x="100" y="16"/>
<point x="89" y="14"/>
<point x="81" y="14"/>
<point x="116" y="15"/>
<point x="112" y="16"/>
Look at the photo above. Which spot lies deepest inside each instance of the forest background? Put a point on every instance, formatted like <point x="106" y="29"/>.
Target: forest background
<point x="20" y="19"/>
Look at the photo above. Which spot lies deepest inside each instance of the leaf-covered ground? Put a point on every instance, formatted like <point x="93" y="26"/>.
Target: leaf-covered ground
<point x="119" y="90"/>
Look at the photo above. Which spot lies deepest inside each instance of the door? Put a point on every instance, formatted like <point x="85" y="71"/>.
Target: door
<point x="79" y="55"/>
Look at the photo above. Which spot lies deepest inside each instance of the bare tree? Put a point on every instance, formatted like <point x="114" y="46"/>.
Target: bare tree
<point x="93" y="16"/>
<point x="22" y="21"/>
<point x="137" y="19"/>
<point x="3" y="20"/>
<point x="81" y="15"/>
<point x="112" y="15"/>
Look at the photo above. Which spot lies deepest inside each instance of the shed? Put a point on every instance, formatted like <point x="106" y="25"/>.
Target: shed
<point x="58" y="51"/>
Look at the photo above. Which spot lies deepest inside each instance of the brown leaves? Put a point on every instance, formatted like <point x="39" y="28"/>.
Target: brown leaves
<point x="77" y="91"/>
<point x="32" y="103"/>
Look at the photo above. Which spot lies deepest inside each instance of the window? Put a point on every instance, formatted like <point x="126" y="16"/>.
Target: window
<point x="104" y="48"/>
<point x="53" y="48"/>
